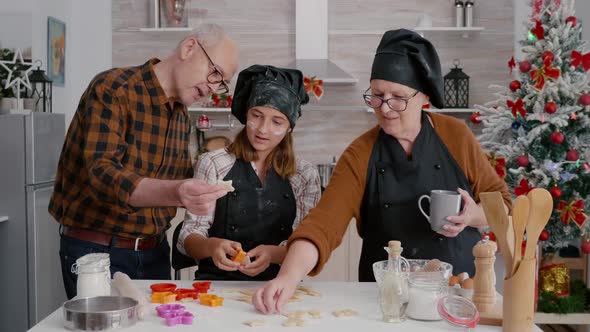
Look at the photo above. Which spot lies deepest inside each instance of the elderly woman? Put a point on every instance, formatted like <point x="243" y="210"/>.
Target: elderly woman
<point x="380" y="176"/>
<point x="273" y="189"/>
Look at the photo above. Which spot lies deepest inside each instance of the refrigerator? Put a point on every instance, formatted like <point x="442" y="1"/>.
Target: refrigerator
<point x="31" y="285"/>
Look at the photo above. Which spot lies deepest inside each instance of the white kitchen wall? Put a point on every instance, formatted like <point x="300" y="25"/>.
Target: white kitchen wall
<point x="88" y="41"/>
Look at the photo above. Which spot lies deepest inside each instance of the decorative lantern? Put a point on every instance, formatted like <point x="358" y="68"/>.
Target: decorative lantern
<point x="41" y="89"/>
<point x="456" y="87"/>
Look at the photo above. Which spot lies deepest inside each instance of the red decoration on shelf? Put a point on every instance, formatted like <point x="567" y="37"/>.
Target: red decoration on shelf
<point x="555" y="192"/>
<point x="523" y="188"/>
<point x="517" y="107"/>
<point x="547" y="71"/>
<point x="557" y="138"/>
<point x="572" y="19"/>
<point x="475" y="118"/>
<point x="514" y="85"/>
<point x="573" y="211"/>
<point x="551" y="107"/>
<point x="524" y="66"/>
<point x="547" y="55"/>
<point x="544" y="236"/>
<point x="499" y="164"/>
<point x="522" y="160"/>
<point x="511" y="64"/>
<point x="203" y="122"/>
<point x="572" y="155"/>
<point x="220" y="100"/>
<point x="314" y="85"/>
<point x="584" y="99"/>
<point x="490" y="235"/>
<point x="579" y="59"/>
<point x="538" y="30"/>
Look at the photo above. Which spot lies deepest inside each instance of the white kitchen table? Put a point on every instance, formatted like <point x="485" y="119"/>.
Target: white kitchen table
<point x="361" y="297"/>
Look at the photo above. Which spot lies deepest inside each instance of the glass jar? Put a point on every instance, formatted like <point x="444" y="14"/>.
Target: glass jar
<point x="94" y="275"/>
<point x="425" y="290"/>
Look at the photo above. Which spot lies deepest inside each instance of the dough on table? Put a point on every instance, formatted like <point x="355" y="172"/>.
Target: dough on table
<point x="296" y="314"/>
<point x="344" y="313"/>
<point x="315" y="313"/>
<point x="307" y="291"/>
<point x="255" y="322"/>
<point x="294" y="322"/>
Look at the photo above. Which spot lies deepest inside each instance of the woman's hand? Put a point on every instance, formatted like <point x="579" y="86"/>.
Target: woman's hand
<point x="274" y="295"/>
<point x="471" y="215"/>
<point x="219" y="249"/>
<point x="262" y="258"/>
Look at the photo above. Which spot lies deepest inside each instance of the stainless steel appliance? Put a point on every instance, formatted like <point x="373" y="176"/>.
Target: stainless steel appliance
<point x="30" y="279"/>
<point x="325" y="171"/>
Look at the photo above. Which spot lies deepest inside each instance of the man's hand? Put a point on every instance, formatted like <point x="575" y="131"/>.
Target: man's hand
<point x="199" y="197"/>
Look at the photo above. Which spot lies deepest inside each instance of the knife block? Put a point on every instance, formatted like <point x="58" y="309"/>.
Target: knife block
<point x="519" y="298"/>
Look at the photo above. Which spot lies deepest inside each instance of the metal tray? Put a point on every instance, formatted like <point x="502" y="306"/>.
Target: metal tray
<point x="100" y="313"/>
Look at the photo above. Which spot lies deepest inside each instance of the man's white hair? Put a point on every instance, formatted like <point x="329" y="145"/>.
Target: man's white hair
<point x="208" y="35"/>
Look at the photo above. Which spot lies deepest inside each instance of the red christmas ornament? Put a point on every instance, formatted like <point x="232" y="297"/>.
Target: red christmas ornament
<point x="524" y="66"/>
<point x="555" y="192"/>
<point x="584" y="99"/>
<point x="557" y="138"/>
<point x="572" y="19"/>
<point x="548" y="56"/>
<point x="203" y="122"/>
<point x="551" y="107"/>
<point x="514" y="85"/>
<point x="511" y="64"/>
<point x="475" y="117"/>
<point x="572" y="155"/>
<point x="586" y="247"/>
<point x="538" y="30"/>
<point x="490" y="235"/>
<point x="544" y="236"/>
<point x="573" y="116"/>
<point x="522" y="161"/>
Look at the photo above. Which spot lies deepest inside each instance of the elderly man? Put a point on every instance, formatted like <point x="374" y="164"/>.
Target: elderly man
<point x="125" y="166"/>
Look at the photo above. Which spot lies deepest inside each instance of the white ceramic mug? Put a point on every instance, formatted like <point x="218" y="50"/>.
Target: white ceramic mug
<point x="443" y="203"/>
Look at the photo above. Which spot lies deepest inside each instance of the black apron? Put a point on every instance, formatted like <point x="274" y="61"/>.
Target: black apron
<point x="252" y="215"/>
<point x="390" y="204"/>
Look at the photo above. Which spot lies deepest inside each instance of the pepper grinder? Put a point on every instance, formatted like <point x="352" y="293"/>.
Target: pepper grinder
<point x="484" y="282"/>
<point x="469" y="13"/>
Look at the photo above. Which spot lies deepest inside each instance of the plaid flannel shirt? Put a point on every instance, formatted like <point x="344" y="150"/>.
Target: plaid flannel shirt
<point x="125" y="129"/>
<point x="215" y="165"/>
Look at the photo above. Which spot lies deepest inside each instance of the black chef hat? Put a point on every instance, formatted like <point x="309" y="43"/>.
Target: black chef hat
<point x="279" y="88"/>
<point x="405" y="57"/>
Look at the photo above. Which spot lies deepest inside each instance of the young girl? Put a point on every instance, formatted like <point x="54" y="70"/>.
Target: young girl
<point x="273" y="190"/>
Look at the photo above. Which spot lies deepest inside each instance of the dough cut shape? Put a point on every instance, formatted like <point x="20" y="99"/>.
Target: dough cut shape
<point x="344" y="313"/>
<point x="294" y="322"/>
<point x="254" y="323"/>
<point x="227" y="185"/>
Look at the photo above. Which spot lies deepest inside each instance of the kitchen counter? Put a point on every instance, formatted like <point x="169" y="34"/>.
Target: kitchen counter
<point x="361" y="297"/>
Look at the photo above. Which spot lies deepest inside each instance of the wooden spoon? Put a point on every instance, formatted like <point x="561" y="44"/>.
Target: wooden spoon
<point x="541" y="207"/>
<point x="493" y="207"/>
<point x="520" y="217"/>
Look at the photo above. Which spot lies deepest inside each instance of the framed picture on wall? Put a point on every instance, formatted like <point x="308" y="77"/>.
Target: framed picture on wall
<point x="56" y="51"/>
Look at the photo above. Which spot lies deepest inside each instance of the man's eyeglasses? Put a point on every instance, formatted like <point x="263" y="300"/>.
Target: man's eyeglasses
<point x="398" y="104"/>
<point x="215" y="77"/>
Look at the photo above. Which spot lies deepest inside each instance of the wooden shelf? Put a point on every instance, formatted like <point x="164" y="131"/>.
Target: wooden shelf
<point x="210" y="109"/>
<point x="464" y="30"/>
<point x="171" y="29"/>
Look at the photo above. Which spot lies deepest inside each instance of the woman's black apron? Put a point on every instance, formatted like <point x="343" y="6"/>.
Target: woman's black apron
<point x="390" y="205"/>
<point x="252" y="215"/>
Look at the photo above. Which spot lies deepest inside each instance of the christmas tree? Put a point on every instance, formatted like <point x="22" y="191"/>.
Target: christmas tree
<point x="537" y="132"/>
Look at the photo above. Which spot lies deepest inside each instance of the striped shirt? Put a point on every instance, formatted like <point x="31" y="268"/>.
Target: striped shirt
<point x="125" y="129"/>
<point x="215" y="165"/>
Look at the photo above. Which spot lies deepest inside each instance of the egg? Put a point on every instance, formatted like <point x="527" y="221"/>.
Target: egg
<point x="467" y="284"/>
<point x="454" y="280"/>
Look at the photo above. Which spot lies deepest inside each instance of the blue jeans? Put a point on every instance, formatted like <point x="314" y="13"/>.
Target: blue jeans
<point x="150" y="264"/>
